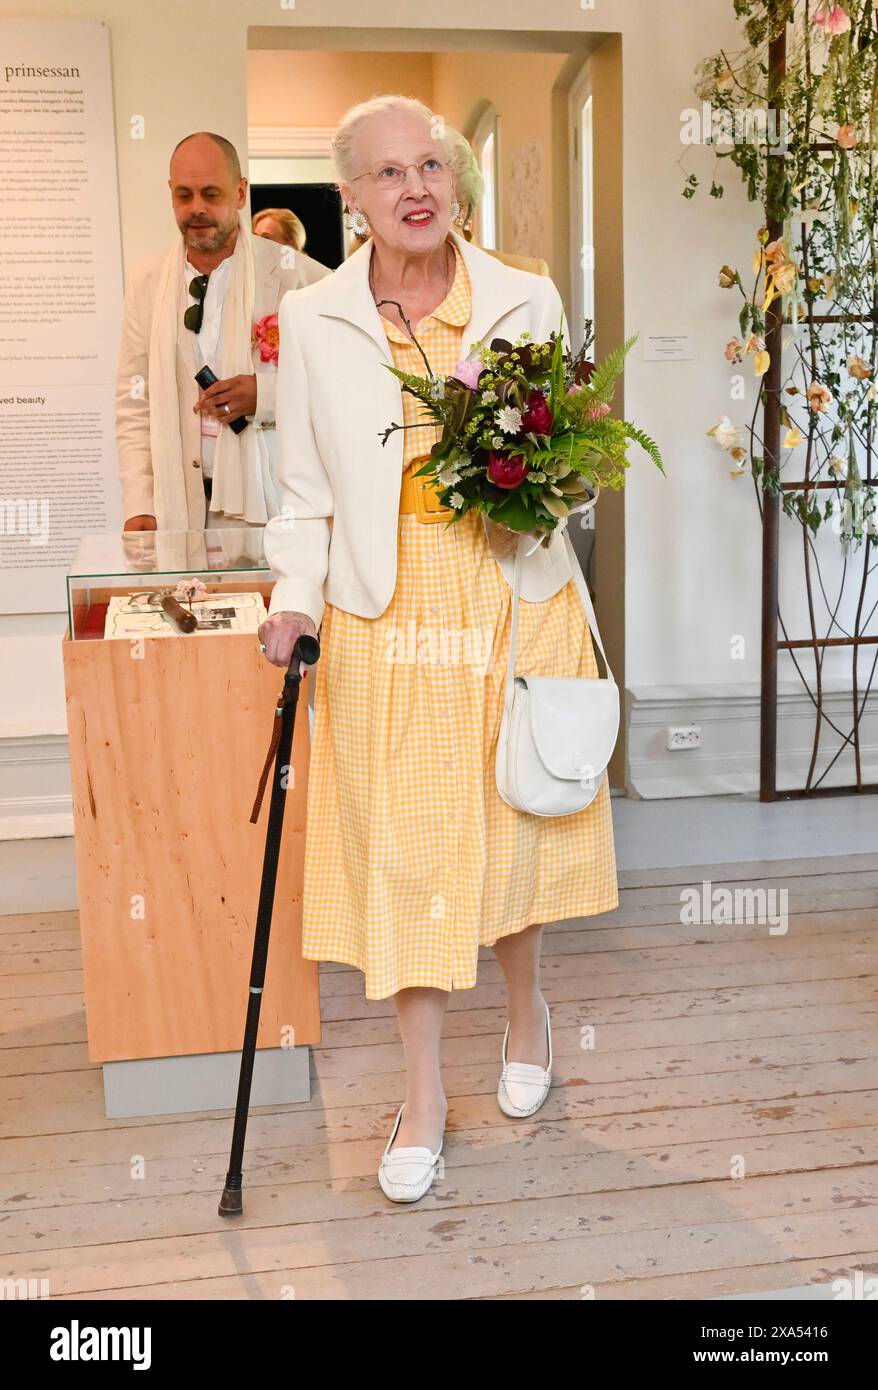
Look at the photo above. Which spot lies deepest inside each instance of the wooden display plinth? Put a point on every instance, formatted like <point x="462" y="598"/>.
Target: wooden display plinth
<point x="167" y="740"/>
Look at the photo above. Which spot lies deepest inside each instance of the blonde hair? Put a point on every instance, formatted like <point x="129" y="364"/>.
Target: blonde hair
<point x="292" y="227"/>
<point x="342" y="143"/>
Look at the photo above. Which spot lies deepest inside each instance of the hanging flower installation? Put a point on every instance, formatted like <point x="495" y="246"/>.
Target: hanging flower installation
<point x="806" y="151"/>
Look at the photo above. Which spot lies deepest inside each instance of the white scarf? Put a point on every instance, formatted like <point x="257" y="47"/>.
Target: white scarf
<point x="242" y="483"/>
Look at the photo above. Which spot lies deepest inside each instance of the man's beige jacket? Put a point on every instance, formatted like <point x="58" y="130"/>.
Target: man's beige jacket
<point x="273" y="280"/>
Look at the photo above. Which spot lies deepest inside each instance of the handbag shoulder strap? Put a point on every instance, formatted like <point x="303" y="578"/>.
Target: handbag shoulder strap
<point x="582" y="588"/>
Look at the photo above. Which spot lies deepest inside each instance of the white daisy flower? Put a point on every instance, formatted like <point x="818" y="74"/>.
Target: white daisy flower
<point x="448" y="475"/>
<point x="508" y="419"/>
<point x="456" y="499"/>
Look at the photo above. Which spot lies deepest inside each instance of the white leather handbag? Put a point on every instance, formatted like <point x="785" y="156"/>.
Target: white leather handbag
<point x="558" y="732"/>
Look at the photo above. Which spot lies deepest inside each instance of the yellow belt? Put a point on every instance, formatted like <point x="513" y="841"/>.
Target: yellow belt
<point x="419" y="495"/>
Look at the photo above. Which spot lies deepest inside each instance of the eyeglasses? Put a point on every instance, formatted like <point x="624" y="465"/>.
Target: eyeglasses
<point x="393" y="176"/>
<point x="194" y="315"/>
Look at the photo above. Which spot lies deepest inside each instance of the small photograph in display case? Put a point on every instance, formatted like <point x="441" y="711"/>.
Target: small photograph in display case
<point x="168" y="584"/>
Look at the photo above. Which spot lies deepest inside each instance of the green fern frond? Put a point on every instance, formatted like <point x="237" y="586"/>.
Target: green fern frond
<point x="646" y="442"/>
<point x="416" y="384"/>
<point x="607" y="373"/>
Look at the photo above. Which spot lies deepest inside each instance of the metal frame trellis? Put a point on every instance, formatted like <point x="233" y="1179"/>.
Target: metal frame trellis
<point x="771" y="510"/>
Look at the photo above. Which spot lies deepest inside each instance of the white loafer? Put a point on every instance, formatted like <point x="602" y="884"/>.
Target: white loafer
<point x="406" y="1174"/>
<point x="524" y="1085"/>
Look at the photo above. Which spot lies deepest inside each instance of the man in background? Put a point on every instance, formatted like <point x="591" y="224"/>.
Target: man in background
<point x="210" y="300"/>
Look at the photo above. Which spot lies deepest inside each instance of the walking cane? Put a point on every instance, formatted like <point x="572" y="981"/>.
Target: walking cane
<point x="307" y="650"/>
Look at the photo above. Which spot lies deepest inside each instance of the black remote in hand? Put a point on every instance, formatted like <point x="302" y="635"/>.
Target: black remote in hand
<point x="207" y="378"/>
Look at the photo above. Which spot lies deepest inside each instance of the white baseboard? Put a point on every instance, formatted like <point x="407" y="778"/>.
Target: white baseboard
<point x="36" y="822"/>
<point x="728" y="760"/>
<point x="35" y="797"/>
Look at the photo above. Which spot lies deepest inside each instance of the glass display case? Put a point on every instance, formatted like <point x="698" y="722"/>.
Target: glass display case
<point x="167" y="740"/>
<point x="167" y="583"/>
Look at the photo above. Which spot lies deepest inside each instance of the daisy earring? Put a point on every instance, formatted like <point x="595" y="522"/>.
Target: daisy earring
<point x="358" y="222"/>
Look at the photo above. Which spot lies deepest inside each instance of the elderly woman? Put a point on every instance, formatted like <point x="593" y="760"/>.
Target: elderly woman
<point x="412" y="859"/>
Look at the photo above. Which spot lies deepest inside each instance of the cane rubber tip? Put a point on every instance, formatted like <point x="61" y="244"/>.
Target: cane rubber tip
<point x="231" y="1203"/>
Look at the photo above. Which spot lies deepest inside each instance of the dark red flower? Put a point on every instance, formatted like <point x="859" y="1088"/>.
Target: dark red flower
<point x="507" y="470"/>
<point x="537" y="419"/>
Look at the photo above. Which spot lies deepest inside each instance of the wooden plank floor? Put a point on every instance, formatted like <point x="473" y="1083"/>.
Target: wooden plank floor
<point x="719" y="1049"/>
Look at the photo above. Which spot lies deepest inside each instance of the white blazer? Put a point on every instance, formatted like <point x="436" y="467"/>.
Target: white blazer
<point x="335" y="538"/>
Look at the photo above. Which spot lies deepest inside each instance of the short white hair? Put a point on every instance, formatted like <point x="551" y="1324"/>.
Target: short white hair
<point x="342" y="143"/>
<point x="469" y="181"/>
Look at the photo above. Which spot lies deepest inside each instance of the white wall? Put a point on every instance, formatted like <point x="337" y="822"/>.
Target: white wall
<point x="692" y="541"/>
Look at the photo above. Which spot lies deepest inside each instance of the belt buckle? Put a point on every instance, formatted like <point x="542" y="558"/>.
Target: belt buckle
<point x="428" y="508"/>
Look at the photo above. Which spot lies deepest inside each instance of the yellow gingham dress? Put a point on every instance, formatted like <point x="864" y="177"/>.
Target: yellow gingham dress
<point x="412" y="859"/>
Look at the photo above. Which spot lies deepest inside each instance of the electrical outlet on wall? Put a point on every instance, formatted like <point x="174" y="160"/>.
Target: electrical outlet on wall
<point x="683" y="736"/>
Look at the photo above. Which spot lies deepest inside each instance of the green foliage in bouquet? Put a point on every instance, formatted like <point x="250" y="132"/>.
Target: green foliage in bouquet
<point x="527" y="436"/>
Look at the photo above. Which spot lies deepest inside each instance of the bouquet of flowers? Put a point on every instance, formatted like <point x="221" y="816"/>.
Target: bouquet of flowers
<point x="527" y="435"/>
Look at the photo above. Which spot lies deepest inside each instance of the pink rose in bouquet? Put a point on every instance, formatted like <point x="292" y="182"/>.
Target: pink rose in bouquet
<point x="468" y="373"/>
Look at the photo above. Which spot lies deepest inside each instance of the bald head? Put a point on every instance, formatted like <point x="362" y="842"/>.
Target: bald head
<point x="225" y="146"/>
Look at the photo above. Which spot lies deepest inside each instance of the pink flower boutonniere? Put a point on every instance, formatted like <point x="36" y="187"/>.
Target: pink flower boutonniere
<point x="267" y="338"/>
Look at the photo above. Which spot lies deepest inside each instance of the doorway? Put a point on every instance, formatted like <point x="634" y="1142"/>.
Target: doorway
<point x="550" y="164"/>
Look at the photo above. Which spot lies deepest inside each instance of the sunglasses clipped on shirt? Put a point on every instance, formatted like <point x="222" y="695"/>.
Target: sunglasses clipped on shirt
<point x="194" y="315"/>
